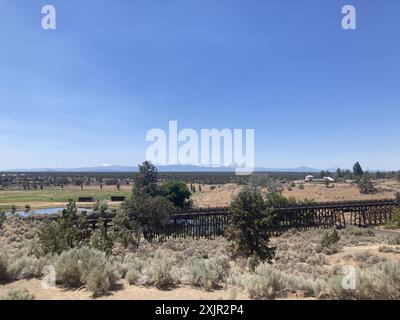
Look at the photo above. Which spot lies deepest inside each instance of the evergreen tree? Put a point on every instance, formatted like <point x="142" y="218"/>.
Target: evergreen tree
<point x="339" y="173"/>
<point x="124" y="230"/>
<point x="249" y="223"/>
<point x="62" y="234"/>
<point x="357" y="170"/>
<point x="100" y="239"/>
<point x="146" y="179"/>
<point x="150" y="214"/>
<point x="176" y="192"/>
<point x="365" y="184"/>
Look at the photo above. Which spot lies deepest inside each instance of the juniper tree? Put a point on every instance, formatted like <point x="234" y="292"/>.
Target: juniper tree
<point x="275" y="199"/>
<point x="146" y="179"/>
<point x="339" y="173"/>
<point x="151" y="214"/>
<point x="249" y="225"/>
<point x="124" y="230"/>
<point x="357" y="170"/>
<point x="365" y="184"/>
<point x="100" y="239"/>
<point x="176" y="192"/>
<point x="69" y="231"/>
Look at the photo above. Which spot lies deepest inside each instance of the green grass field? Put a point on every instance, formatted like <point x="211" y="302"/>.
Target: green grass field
<point x="53" y="197"/>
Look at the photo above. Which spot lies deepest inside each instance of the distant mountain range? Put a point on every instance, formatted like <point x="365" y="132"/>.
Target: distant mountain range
<point x="168" y="168"/>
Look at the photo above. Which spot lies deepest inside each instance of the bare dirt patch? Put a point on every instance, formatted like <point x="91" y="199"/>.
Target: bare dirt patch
<point x="124" y="292"/>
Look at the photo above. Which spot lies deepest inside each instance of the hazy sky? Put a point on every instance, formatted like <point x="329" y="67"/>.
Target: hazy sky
<point x="87" y="92"/>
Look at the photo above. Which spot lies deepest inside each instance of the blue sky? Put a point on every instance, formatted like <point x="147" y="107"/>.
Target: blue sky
<point x="87" y="93"/>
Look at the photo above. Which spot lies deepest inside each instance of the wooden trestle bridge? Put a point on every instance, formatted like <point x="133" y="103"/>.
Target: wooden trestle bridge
<point x="211" y="222"/>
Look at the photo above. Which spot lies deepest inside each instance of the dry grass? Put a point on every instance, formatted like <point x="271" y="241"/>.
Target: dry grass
<point x="210" y="196"/>
<point x="177" y="264"/>
<point x="343" y="191"/>
<point x="221" y="195"/>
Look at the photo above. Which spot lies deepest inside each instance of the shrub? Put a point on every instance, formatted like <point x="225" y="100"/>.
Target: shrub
<point x="253" y="262"/>
<point x="150" y="214"/>
<point x="132" y="276"/>
<point x="310" y="287"/>
<point x="201" y="248"/>
<point x="62" y="234"/>
<point x="379" y="282"/>
<point x="276" y="199"/>
<point x="387" y="249"/>
<point x="26" y="267"/>
<point x="178" y="193"/>
<point x="160" y="271"/>
<point x="86" y="266"/>
<point x="330" y="250"/>
<point x="68" y="269"/>
<point x="208" y="273"/>
<point x="394" y="223"/>
<point x="316" y="260"/>
<point x="18" y="294"/>
<point x="3" y="267"/>
<point x="2" y="218"/>
<point x="330" y="238"/>
<point x="366" y="258"/>
<point x="266" y="282"/>
<point x="134" y="267"/>
<point x="100" y="207"/>
<point x="98" y="281"/>
<point x="48" y="235"/>
<point x="128" y="263"/>
<point x="124" y="230"/>
<point x="100" y="239"/>
<point x="249" y="225"/>
<point x="327" y="244"/>
<point x="336" y="290"/>
<point x="394" y="240"/>
<point x="352" y="235"/>
<point x="23" y="268"/>
<point x="366" y="185"/>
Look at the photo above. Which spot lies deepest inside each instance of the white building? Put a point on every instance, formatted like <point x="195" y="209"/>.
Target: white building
<point x="309" y="178"/>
